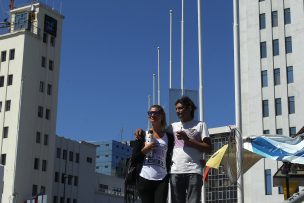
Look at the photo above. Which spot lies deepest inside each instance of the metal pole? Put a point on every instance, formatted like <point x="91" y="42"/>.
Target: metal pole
<point x="170" y="60"/>
<point x="239" y="139"/>
<point x="149" y="104"/>
<point x="200" y="68"/>
<point x="182" y="49"/>
<point x="158" y="76"/>
<point x="154" y="89"/>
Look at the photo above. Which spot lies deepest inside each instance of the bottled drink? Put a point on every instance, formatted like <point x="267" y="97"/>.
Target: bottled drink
<point x="149" y="139"/>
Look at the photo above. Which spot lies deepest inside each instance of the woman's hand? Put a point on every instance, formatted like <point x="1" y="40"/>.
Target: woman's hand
<point x="148" y="148"/>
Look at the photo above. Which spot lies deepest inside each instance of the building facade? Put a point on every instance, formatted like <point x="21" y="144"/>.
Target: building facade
<point x="29" y="74"/>
<point x="74" y="171"/>
<point x="272" y="81"/>
<point x="111" y="157"/>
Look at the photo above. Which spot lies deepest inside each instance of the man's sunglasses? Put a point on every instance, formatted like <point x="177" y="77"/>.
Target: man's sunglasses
<point x="153" y="113"/>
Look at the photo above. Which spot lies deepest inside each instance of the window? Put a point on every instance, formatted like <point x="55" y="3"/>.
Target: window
<point x="268" y="182"/>
<point x="266" y="132"/>
<point x="61" y="199"/>
<point x="40" y="111"/>
<point x="262" y="21"/>
<point x="71" y="156"/>
<point x="63" y="176"/>
<point x="5" y="132"/>
<point x="279" y="131"/>
<point x="36" y="163"/>
<point x="3" y="56"/>
<point x="45" y="36"/>
<point x="289" y="74"/>
<point x="46" y="139"/>
<point x="292" y="131"/>
<point x="55" y="199"/>
<point x="12" y="54"/>
<point x="34" y="190"/>
<point x="278" y="106"/>
<point x="51" y="65"/>
<point x="8" y="105"/>
<point x="77" y="157"/>
<point x="280" y="190"/>
<point x="89" y="160"/>
<point x="10" y="80"/>
<point x="43" y="61"/>
<point x="49" y="89"/>
<point x="76" y="180"/>
<point x="276" y="75"/>
<point x="58" y="153"/>
<point x="42" y="189"/>
<point x="52" y="41"/>
<point x="48" y="114"/>
<point x="41" y="86"/>
<point x="288" y="45"/>
<point x="21" y="21"/>
<point x="70" y="177"/>
<point x="264" y="78"/>
<point x="287" y="18"/>
<point x="3" y="159"/>
<point x="275" y="47"/>
<point x="274" y="18"/>
<point x="64" y="154"/>
<point x="291" y="105"/>
<point x="263" y="50"/>
<point x="265" y="108"/>
<point x="44" y="165"/>
<point x="1" y="81"/>
<point x="56" y="177"/>
<point x="0" y="106"/>
<point x="38" y="137"/>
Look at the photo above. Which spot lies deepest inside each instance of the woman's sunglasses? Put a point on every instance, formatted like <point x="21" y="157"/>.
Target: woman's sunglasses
<point x="153" y="113"/>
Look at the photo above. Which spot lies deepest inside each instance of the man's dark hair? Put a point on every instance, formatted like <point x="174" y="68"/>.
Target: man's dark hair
<point x="186" y="102"/>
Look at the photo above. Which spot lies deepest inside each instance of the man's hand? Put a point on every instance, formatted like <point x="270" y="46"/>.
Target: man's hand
<point x="182" y="135"/>
<point x="139" y="133"/>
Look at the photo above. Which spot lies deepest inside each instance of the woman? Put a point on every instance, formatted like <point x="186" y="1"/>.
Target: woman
<point x="154" y="159"/>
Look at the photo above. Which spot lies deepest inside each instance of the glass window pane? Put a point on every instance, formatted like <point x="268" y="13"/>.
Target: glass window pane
<point x="291" y="105"/>
<point x="276" y="75"/>
<point x="287" y="18"/>
<point x="263" y="50"/>
<point x="262" y="21"/>
<point x="289" y="74"/>
<point x="268" y="182"/>
<point x="276" y="47"/>
<point x="274" y="18"/>
<point x="288" y="45"/>
<point x="265" y="108"/>
<point x="264" y="78"/>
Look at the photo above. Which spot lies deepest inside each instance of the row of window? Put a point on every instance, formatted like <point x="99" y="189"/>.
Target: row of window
<point x="37" y="164"/>
<point x="42" y="88"/>
<point x="62" y="200"/>
<point x="45" y="39"/>
<point x="276" y="47"/>
<point x="35" y="190"/>
<point x="47" y="112"/>
<point x="274" y="18"/>
<point x="277" y="76"/>
<point x="65" y="153"/>
<point x="43" y="63"/>
<point x="11" y="55"/>
<point x="9" y="80"/>
<point x="70" y="179"/>
<point x="279" y="131"/>
<point x="45" y="140"/>
<point x="278" y="106"/>
<point x="7" y="105"/>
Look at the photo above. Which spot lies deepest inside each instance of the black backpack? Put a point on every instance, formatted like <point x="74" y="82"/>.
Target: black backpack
<point x="130" y="181"/>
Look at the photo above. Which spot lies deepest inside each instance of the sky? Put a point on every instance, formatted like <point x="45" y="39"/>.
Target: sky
<point x="109" y="54"/>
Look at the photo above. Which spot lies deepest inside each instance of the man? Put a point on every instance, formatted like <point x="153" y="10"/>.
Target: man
<point x="191" y="141"/>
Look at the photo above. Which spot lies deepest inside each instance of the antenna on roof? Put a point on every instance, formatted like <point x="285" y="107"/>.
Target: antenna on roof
<point x="11" y="4"/>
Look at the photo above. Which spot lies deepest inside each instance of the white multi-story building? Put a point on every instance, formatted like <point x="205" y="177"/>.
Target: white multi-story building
<point x="29" y="74"/>
<point x="272" y="81"/>
<point x="74" y="171"/>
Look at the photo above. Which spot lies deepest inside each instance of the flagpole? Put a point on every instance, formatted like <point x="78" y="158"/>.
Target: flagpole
<point x="237" y="86"/>
<point x="158" y="76"/>
<point x="153" y="92"/>
<point x="182" y="49"/>
<point x="200" y="68"/>
<point x="170" y="60"/>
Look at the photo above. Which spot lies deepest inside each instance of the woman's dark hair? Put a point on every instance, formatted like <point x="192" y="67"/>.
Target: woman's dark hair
<point x="162" y="112"/>
<point x="187" y="102"/>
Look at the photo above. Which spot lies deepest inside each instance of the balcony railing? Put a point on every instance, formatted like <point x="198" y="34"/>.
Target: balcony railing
<point x="7" y="27"/>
